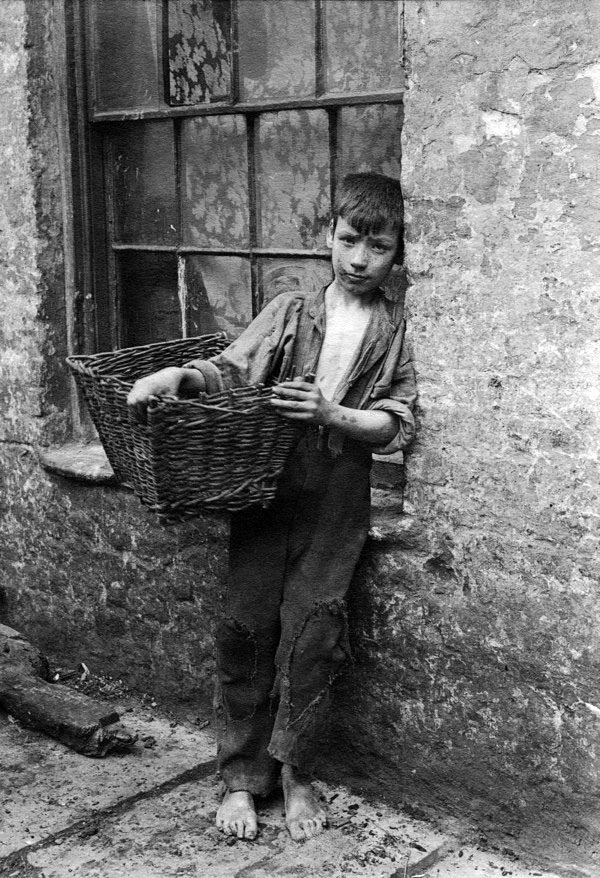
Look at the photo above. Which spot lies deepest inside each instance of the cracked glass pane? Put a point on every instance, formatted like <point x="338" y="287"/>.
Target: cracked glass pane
<point x="199" y="51"/>
<point x="277" y="276"/>
<point x="215" y="181"/>
<point x="127" y="69"/>
<point x="293" y="179"/>
<point x="276" y="49"/>
<point x="143" y="169"/>
<point x="369" y="139"/>
<point x="218" y="294"/>
<point x="362" y="47"/>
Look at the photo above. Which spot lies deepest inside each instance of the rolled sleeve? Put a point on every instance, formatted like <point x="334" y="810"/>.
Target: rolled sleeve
<point x="399" y="401"/>
<point x="406" y="425"/>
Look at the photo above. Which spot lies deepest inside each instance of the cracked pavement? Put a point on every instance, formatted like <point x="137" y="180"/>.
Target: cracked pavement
<point x="150" y="814"/>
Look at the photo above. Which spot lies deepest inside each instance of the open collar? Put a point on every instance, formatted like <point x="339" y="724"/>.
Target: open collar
<point x="376" y="339"/>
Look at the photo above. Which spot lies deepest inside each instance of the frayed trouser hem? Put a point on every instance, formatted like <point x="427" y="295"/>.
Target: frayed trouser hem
<point x="237" y="781"/>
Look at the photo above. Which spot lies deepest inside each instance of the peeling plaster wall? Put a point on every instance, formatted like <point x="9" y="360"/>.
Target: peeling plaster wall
<point x="487" y="625"/>
<point x="21" y="333"/>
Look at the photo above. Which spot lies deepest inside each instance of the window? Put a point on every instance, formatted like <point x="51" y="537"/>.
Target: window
<point x="210" y="136"/>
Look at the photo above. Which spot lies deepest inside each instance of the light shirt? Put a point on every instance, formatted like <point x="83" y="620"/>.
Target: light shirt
<point x="345" y="325"/>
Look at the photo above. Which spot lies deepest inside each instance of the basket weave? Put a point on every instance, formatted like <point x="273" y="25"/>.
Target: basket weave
<point x="220" y="452"/>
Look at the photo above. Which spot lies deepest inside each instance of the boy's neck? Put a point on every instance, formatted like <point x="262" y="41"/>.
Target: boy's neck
<point x="335" y="294"/>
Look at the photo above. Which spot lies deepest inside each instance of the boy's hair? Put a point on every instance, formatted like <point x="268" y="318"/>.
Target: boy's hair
<point x="368" y="202"/>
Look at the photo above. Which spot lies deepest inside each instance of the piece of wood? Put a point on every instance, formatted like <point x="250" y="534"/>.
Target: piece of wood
<point x="26" y="693"/>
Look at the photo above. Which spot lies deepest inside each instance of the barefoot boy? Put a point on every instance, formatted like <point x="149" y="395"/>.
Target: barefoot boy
<point x="283" y="637"/>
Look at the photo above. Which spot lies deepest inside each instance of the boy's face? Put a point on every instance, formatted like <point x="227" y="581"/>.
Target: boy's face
<point x="361" y="262"/>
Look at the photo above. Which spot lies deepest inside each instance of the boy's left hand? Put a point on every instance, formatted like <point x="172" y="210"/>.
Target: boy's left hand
<point x="301" y="400"/>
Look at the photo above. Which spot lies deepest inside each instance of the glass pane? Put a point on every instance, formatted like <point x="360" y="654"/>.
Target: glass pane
<point x="362" y="47"/>
<point x="199" y="51"/>
<point x="218" y="294"/>
<point x="276" y="48"/>
<point x="215" y="168"/>
<point x="150" y="307"/>
<point x="369" y="139"/>
<point x="126" y="60"/>
<point x="143" y="166"/>
<point x="293" y="179"/>
<point x="277" y="276"/>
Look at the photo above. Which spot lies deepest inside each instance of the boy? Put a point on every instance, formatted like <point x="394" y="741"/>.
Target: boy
<point x="284" y="637"/>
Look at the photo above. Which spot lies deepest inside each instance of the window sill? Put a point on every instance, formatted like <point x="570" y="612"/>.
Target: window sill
<point x="84" y="461"/>
<point x="87" y="462"/>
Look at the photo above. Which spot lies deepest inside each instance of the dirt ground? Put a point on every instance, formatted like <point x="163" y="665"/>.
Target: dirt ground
<point x="150" y="814"/>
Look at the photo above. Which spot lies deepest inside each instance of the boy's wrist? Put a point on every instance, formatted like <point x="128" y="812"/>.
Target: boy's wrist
<point x="330" y="416"/>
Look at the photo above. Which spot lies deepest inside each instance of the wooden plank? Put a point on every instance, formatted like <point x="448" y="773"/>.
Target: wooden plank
<point x="26" y="693"/>
<point x="279" y="252"/>
<point x="266" y="106"/>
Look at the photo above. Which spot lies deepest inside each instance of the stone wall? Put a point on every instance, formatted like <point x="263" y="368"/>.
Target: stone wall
<point x="474" y="621"/>
<point x="483" y="652"/>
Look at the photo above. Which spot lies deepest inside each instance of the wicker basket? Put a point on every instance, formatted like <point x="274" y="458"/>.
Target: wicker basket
<point x="220" y="452"/>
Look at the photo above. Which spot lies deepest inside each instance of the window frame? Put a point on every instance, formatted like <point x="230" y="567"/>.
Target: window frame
<point x="97" y="305"/>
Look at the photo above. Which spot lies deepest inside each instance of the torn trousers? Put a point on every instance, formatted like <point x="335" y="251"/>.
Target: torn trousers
<point x="283" y="636"/>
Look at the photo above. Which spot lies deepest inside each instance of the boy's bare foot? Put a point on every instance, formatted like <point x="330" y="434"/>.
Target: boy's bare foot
<point x="237" y="815"/>
<point x="304" y="815"/>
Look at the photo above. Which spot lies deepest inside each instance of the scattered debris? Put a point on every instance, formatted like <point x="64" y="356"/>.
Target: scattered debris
<point x="33" y="696"/>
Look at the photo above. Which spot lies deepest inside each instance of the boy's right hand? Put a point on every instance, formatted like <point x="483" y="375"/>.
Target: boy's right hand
<point x="165" y="382"/>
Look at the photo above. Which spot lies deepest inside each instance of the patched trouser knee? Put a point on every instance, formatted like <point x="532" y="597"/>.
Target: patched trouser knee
<point x="308" y="663"/>
<point x="244" y="667"/>
<point x="316" y="655"/>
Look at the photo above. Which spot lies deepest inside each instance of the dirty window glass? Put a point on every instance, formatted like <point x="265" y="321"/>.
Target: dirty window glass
<point x="199" y="51"/>
<point x="276" y="48"/>
<point x="150" y="304"/>
<point x="361" y="45"/>
<point x="215" y="176"/>
<point x="127" y="66"/>
<point x="293" y="178"/>
<point x="284" y="275"/>
<point x="142" y="156"/>
<point x="218" y="293"/>
<point x="369" y="139"/>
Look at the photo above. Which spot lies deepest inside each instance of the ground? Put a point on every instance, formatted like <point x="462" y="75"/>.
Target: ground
<point x="150" y="814"/>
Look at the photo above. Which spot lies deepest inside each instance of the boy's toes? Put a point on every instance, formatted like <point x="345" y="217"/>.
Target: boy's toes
<point x="250" y="832"/>
<point x="296" y="831"/>
<point x="237" y="816"/>
<point x="300" y="830"/>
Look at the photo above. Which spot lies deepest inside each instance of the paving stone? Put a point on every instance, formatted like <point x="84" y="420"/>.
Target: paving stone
<point x="150" y="814"/>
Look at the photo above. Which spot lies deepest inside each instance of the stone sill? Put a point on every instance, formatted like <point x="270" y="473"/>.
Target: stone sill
<point x="87" y="462"/>
<point x="83" y="461"/>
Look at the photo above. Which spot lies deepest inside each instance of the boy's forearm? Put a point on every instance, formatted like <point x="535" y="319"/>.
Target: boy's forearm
<point x="373" y="427"/>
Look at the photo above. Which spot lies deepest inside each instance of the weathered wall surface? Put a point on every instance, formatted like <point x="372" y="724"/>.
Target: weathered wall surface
<point x="85" y="572"/>
<point x="90" y="576"/>
<point x="486" y="627"/>
<point x="21" y="335"/>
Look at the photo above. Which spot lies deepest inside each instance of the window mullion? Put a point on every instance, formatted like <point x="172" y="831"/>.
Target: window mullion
<point x="319" y="48"/>
<point x="181" y="276"/>
<point x="114" y="311"/>
<point x="253" y="212"/>
<point x="235" y="54"/>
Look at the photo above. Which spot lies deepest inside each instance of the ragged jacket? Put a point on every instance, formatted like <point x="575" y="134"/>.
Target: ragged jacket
<point x="285" y="340"/>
